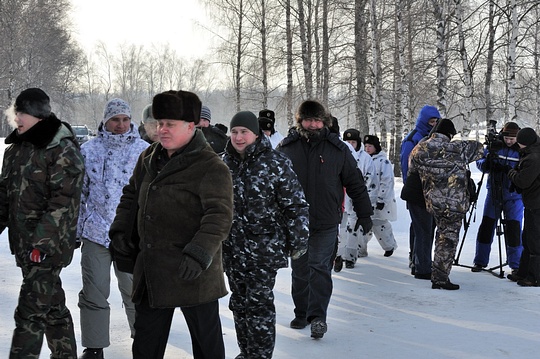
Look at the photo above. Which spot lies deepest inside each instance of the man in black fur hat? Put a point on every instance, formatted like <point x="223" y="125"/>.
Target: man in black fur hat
<point x="40" y="191"/>
<point x="324" y="165"/>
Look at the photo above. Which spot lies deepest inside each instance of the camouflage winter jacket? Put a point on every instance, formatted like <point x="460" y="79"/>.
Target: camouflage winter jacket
<point x="271" y="215"/>
<point x="442" y="166"/>
<point x="40" y="191"/>
<point x="109" y="161"/>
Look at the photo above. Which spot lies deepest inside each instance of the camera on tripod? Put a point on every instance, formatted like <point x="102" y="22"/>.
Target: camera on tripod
<point x="494" y="140"/>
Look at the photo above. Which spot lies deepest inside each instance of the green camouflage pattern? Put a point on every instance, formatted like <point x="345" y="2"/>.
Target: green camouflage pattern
<point x="40" y="192"/>
<point x="42" y="310"/>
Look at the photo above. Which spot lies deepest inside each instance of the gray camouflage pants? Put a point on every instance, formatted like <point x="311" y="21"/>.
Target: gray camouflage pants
<point x="446" y="241"/>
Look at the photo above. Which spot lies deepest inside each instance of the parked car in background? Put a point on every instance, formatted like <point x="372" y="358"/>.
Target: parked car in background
<point x="82" y="132"/>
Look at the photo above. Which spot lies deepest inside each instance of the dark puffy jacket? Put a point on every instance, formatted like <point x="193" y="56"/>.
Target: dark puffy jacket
<point x="40" y="192"/>
<point x="324" y="165"/>
<point x="186" y="208"/>
<point x="527" y="175"/>
<point x="270" y="211"/>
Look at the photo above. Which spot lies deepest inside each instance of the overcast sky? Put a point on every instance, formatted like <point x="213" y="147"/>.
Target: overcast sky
<point x="157" y="22"/>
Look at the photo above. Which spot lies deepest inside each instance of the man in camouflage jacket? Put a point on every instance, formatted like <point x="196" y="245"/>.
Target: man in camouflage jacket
<point x="40" y="190"/>
<point x="442" y="166"/>
<point x="270" y="222"/>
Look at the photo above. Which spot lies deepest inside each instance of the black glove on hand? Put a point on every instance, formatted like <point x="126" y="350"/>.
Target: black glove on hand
<point x="120" y="246"/>
<point x="366" y="224"/>
<point x="380" y="206"/>
<point x="189" y="268"/>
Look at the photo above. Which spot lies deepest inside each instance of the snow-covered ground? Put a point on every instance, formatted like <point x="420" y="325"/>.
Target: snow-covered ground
<point x="378" y="310"/>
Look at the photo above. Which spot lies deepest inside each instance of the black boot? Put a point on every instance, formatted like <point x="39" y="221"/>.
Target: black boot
<point x="338" y="264"/>
<point x="444" y="285"/>
<point x="92" y="353"/>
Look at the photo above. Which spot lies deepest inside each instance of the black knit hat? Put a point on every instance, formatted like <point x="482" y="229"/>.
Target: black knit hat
<point x="526" y="136"/>
<point x="33" y="101"/>
<point x="510" y="129"/>
<point x="373" y="140"/>
<point x="352" y="134"/>
<point x="446" y="127"/>
<point x="177" y="105"/>
<point x="246" y="119"/>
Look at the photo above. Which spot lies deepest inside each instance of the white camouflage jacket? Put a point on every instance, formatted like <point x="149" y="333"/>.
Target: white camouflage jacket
<point x="109" y="162"/>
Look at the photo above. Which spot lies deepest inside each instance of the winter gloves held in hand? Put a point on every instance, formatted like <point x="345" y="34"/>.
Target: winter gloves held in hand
<point x="365" y="223"/>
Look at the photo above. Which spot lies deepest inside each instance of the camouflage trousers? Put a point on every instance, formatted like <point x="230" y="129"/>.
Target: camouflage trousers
<point x="446" y="241"/>
<point x="252" y="304"/>
<point x="42" y="310"/>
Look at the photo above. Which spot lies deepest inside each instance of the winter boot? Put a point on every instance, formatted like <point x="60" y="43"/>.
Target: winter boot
<point x="338" y="264"/>
<point x="444" y="285"/>
<point x="318" y="328"/>
<point x="298" y="323"/>
<point x="92" y="353"/>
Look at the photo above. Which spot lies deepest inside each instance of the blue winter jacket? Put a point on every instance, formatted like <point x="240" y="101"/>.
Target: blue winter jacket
<point x="421" y="130"/>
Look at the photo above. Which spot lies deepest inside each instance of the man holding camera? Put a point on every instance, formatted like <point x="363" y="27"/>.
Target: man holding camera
<point x="501" y="154"/>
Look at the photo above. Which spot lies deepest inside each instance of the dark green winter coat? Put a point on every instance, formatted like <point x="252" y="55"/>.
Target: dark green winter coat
<point x="40" y="191"/>
<point x="186" y="208"/>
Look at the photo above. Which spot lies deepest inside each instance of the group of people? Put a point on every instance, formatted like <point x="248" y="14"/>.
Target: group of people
<point x="173" y="210"/>
<point x="436" y="174"/>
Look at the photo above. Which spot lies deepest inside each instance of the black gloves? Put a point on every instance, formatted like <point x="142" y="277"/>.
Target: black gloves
<point x="366" y="224"/>
<point x="189" y="268"/>
<point x="380" y="206"/>
<point x="121" y="246"/>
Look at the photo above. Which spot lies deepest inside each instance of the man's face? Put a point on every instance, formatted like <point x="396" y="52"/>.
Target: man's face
<point x="432" y="121"/>
<point x="25" y="122"/>
<point x="118" y="124"/>
<point x="241" y="137"/>
<point x="354" y="143"/>
<point x="174" y="134"/>
<point x="509" y="140"/>
<point x="151" y="130"/>
<point x="312" y="124"/>
<point x="203" y="123"/>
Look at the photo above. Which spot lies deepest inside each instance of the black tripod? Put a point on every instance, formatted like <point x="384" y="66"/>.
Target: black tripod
<point x="500" y="226"/>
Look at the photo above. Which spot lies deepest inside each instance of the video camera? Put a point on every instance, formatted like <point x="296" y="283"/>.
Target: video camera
<point x="494" y="140"/>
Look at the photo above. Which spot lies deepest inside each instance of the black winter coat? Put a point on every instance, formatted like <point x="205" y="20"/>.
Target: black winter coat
<point x="324" y="165"/>
<point x="526" y="176"/>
